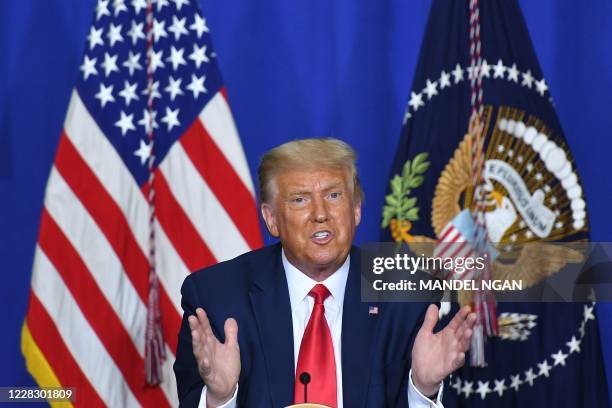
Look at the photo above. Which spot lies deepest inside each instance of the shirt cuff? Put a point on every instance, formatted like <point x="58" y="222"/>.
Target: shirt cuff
<point x="231" y="403"/>
<point x="418" y="400"/>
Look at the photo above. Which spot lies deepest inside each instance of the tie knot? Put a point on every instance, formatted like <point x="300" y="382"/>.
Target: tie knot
<point x="319" y="293"/>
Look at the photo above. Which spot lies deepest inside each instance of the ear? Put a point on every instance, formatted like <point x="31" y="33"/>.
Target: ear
<point x="357" y="212"/>
<point x="269" y="216"/>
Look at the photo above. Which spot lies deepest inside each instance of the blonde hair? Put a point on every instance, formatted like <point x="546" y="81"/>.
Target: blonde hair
<point x="307" y="154"/>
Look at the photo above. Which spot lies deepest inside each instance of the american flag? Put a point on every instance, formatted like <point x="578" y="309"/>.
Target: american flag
<point x="148" y="128"/>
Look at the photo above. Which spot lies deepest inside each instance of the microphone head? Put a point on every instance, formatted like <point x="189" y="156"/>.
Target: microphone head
<point x="305" y="378"/>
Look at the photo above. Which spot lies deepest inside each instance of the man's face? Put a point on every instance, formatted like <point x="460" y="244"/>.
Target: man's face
<point x="315" y="214"/>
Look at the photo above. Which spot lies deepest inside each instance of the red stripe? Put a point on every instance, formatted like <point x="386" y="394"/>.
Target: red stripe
<point x="171" y="320"/>
<point x="223" y="180"/>
<point x="97" y="310"/>
<point x="58" y="356"/>
<point x="188" y="244"/>
<point x="448" y="231"/>
<point x="105" y="211"/>
<point x="111" y="220"/>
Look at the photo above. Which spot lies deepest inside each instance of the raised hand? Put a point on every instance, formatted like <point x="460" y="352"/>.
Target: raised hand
<point x="218" y="363"/>
<point x="436" y="355"/>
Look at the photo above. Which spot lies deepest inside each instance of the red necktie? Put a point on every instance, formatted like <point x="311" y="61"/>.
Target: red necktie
<point x="317" y="356"/>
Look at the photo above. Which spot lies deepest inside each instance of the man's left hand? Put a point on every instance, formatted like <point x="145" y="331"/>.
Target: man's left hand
<point x="436" y="355"/>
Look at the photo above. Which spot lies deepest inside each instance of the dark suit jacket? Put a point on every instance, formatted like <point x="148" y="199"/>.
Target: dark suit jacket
<point x="252" y="288"/>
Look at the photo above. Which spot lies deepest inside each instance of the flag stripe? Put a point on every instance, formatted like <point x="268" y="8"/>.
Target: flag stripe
<point x="170" y="268"/>
<point x="202" y="208"/>
<point x="101" y="263"/>
<point x="90" y="354"/>
<point x="229" y="189"/>
<point x="105" y="212"/>
<point x="99" y="312"/>
<point x="187" y="242"/>
<point x="112" y="222"/>
<point x="47" y="338"/>
<point x="217" y="119"/>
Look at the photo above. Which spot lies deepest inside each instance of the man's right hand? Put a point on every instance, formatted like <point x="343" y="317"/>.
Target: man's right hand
<point x="218" y="363"/>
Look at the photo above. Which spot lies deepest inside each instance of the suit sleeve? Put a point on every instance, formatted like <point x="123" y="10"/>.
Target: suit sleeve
<point x="188" y="381"/>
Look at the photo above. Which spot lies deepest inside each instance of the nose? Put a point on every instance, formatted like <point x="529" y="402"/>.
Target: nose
<point x="320" y="212"/>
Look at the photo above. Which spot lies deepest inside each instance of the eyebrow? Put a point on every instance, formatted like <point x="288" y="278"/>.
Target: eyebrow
<point x="330" y="187"/>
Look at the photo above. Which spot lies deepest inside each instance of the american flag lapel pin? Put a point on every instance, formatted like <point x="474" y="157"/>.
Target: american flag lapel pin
<point x="373" y="310"/>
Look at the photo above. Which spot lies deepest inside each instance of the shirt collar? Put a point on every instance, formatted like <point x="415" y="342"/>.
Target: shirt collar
<point x="300" y="284"/>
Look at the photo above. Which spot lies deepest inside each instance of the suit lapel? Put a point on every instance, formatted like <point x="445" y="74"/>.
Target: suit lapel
<point x="270" y="301"/>
<point x="358" y="329"/>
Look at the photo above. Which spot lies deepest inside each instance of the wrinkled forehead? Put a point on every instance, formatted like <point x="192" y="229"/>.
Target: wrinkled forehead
<point x="311" y="179"/>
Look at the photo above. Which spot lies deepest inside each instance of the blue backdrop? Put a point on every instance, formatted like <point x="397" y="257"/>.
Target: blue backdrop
<point x="292" y="69"/>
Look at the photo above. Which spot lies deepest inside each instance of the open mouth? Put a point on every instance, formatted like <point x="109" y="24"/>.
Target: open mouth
<point x="322" y="237"/>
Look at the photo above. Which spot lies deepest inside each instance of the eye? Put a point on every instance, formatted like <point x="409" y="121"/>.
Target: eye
<point x="335" y="195"/>
<point x="298" y="200"/>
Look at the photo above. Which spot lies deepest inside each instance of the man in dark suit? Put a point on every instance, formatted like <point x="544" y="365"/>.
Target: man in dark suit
<point x="298" y="306"/>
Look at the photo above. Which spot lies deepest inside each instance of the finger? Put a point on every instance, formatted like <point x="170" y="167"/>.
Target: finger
<point x="431" y="318"/>
<point x="458" y="318"/>
<point x="467" y="324"/>
<point x="231" y="332"/>
<point x="459" y="361"/>
<point x="466" y="340"/>
<point x="204" y="322"/>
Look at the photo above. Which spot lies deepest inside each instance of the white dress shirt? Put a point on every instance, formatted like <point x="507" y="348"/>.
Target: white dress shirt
<point x="300" y="285"/>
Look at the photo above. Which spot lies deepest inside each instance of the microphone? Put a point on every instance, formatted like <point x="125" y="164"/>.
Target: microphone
<point x="305" y="379"/>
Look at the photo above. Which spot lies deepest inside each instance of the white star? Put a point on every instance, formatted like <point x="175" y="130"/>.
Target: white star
<point x="109" y="64"/>
<point x="144" y="151"/>
<point x="527" y="79"/>
<point x="114" y="34"/>
<point x="154" y="91"/>
<point x="416" y="100"/>
<point x="528" y="234"/>
<point x="538" y="176"/>
<point x="541" y="86"/>
<point x="139" y="5"/>
<point x="199" y="25"/>
<point x="431" y="89"/>
<point x="483" y="389"/>
<point x="159" y="30"/>
<point x="499" y="69"/>
<point x="529" y="377"/>
<point x="89" y="67"/>
<point x="180" y="3"/>
<point x="95" y="37"/>
<point x="129" y="92"/>
<point x="516" y="382"/>
<point x="553" y="200"/>
<point x="510" y="153"/>
<point x="102" y="9"/>
<point x="457" y="385"/>
<point x="513" y="73"/>
<point x="544" y="368"/>
<point x="574" y="345"/>
<point x="105" y="95"/>
<point x="458" y="74"/>
<point x="132" y="62"/>
<point x="147" y="120"/>
<point x="119" y="6"/>
<point x="513" y="237"/>
<point x="547" y="188"/>
<point x="558" y="224"/>
<point x="135" y="32"/>
<point x="174" y="87"/>
<point x="444" y="80"/>
<point x="519" y="159"/>
<point x="500" y="148"/>
<point x="198" y="55"/>
<point x="467" y="388"/>
<point x="485" y="69"/>
<point x="522" y="224"/>
<point x="500" y="387"/>
<point x="197" y="85"/>
<point x="407" y="116"/>
<point x="559" y="358"/>
<point x="176" y="57"/>
<point x="157" y="59"/>
<point x="125" y="123"/>
<point x="529" y="167"/>
<point x="588" y="313"/>
<point x="178" y="27"/>
<point x="581" y="328"/>
<point x="161" y="4"/>
<point x="171" y="118"/>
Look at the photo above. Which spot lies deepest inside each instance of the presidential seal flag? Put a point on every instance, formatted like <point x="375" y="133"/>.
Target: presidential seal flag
<point x="149" y="183"/>
<point x="482" y="147"/>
